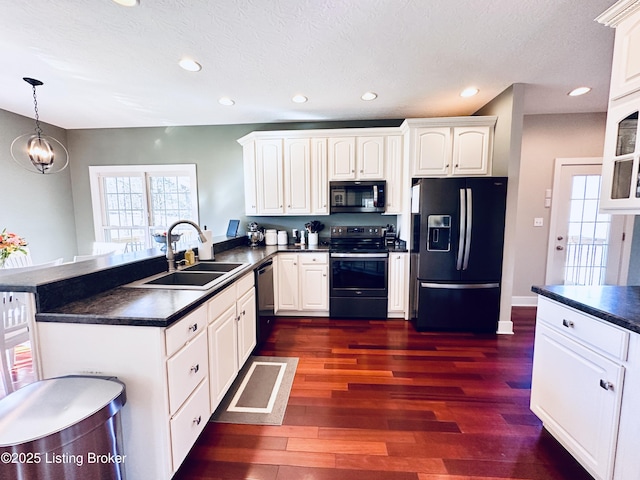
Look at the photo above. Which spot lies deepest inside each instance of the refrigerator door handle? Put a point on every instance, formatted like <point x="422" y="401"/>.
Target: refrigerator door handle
<point x="467" y="233"/>
<point x="463" y="225"/>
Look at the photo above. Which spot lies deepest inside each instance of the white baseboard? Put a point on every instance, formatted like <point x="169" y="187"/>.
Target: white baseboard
<point x="524" y="301"/>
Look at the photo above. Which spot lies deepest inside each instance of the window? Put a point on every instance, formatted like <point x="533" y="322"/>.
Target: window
<point x="133" y="203"/>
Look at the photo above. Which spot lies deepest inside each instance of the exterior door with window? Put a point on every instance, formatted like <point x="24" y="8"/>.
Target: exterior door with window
<point x="585" y="246"/>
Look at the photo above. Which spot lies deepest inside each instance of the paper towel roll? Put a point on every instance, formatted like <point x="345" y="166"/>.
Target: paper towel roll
<point x="205" y="249"/>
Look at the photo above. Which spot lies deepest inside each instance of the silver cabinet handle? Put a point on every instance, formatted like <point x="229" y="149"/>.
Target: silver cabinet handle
<point x="606" y="385"/>
<point x="195" y="368"/>
<point x="567" y="323"/>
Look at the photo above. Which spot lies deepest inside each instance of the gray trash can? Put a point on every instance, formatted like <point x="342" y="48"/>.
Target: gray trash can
<point x="63" y="428"/>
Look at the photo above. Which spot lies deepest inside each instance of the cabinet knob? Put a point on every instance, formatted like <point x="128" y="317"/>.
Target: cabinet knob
<point x="193" y="328"/>
<point x="197" y="420"/>
<point x="567" y="323"/>
<point x="559" y="247"/>
<point x="606" y="385"/>
<point x="195" y="368"/>
<point x="560" y="237"/>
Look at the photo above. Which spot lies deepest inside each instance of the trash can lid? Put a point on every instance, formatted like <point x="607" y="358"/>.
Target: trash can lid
<point x="50" y="406"/>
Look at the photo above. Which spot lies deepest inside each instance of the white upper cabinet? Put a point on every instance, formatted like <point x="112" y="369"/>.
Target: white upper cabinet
<point x="370" y="156"/>
<point x="471" y="150"/>
<point x="620" y="192"/>
<point x="269" y="176"/>
<point x="342" y="158"/>
<point x="297" y="175"/>
<point x="356" y="158"/>
<point x="319" y="177"/>
<point x="394" y="173"/>
<point x="441" y="147"/>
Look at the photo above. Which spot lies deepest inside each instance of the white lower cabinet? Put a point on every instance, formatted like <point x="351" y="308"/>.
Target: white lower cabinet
<point x="578" y="383"/>
<point x="302" y="283"/>
<point x="231" y="333"/>
<point x="174" y="377"/>
<point x="188" y="423"/>
<point x="398" y="285"/>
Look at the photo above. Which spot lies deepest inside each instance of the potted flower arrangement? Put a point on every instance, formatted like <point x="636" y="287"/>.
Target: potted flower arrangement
<point x="10" y="243"/>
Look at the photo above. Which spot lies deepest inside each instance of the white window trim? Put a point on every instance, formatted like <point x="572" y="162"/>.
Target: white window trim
<point x="95" y="173"/>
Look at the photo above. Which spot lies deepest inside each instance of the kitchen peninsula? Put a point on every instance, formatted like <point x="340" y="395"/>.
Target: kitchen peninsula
<point x="586" y="374"/>
<point x="176" y="350"/>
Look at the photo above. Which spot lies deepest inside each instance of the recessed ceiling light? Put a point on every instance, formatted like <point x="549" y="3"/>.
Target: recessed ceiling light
<point x="128" y="3"/>
<point x="190" y="65"/>
<point x="299" y="99"/>
<point x="226" y="101"/>
<point x="369" y="96"/>
<point x="469" y="92"/>
<point x="579" y="91"/>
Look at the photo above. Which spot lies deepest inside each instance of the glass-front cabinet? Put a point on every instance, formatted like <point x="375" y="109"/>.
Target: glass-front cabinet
<point x="621" y="165"/>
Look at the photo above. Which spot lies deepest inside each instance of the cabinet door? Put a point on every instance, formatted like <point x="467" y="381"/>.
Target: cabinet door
<point x="223" y="354"/>
<point x="246" y="314"/>
<point x="370" y="158"/>
<point x="625" y="69"/>
<point x="471" y="147"/>
<point x="314" y="287"/>
<point x="250" y="178"/>
<point x="297" y="176"/>
<point x="342" y="158"/>
<point x="621" y="166"/>
<point x="393" y="167"/>
<point x="269" y="176"/>
<point x="319" y="177"/>
<point x="431" y="151"/>
<point x="286" y="287"/>
<point x="398" y="282"/>
<point x="577" y="394"/>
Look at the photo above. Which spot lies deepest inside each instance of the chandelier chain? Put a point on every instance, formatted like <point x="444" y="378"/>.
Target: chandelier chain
<point x="35" y="106"/>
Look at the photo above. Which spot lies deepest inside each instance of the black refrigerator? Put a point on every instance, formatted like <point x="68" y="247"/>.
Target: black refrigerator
<point x="459" y="238"/>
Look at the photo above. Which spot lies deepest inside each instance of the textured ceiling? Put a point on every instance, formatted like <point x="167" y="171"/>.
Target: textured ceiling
<point x="104" y="65"/>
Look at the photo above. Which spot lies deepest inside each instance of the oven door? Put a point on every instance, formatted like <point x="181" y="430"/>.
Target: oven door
<point x="358" y="285"/>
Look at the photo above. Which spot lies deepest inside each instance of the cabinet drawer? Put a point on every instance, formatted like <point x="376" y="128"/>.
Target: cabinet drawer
<point x="244" y="284"/>
<point x="186" y="369"/>
<point x="183" y="331"/>
<point x="187" y="424"/>
<point x="313" y="258"/>
<point x="607" y="338"/>
<point x="222" y="302"/>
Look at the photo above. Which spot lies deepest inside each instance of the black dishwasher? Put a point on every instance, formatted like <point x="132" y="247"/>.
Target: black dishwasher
<point x="264" y="284"/>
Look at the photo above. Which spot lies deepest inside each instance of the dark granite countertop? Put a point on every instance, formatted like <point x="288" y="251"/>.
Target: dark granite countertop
<point x="92" y="292"/>
<point x="614" y="304"/>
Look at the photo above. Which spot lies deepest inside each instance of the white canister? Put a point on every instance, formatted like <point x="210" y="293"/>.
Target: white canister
<point x="271" y="237"/>
<point x="282" y="237"/>
<point x="313" y="239"/>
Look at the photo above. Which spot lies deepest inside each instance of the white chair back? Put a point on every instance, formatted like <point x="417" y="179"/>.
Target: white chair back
<point x="53" y="263"/>
<point x="108" y="247"/>
<point x="14" y="330"/>
<point x="82" y="258"/>
<point x="19" y="259"/>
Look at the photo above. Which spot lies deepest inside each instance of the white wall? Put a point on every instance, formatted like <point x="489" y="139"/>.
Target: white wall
<point x="545" y="138"/>
<point x="35" y="206"/>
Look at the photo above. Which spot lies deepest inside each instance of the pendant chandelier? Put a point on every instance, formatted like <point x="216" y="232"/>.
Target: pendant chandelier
<point x="38" y="152"/>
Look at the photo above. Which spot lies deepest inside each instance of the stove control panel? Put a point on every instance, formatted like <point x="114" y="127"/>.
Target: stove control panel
<point x="357" y="232"/>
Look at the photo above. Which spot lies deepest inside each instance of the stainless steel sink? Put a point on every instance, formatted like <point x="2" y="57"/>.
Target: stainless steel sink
<point x="213" y="267"/>
<point x="201" y="276"/>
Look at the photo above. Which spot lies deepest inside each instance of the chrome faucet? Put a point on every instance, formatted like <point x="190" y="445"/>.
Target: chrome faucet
<point x="170" y="255"/>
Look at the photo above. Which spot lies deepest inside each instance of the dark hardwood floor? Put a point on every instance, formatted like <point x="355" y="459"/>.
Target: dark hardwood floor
<point x="376" y="400"/>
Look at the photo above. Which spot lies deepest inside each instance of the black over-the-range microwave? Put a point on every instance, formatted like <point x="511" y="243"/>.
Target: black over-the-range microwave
<point x="357" y="197"/>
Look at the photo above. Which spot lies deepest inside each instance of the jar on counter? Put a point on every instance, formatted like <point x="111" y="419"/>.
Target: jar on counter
<point x="282" y="237"/>
<point x="271" y="237"/>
